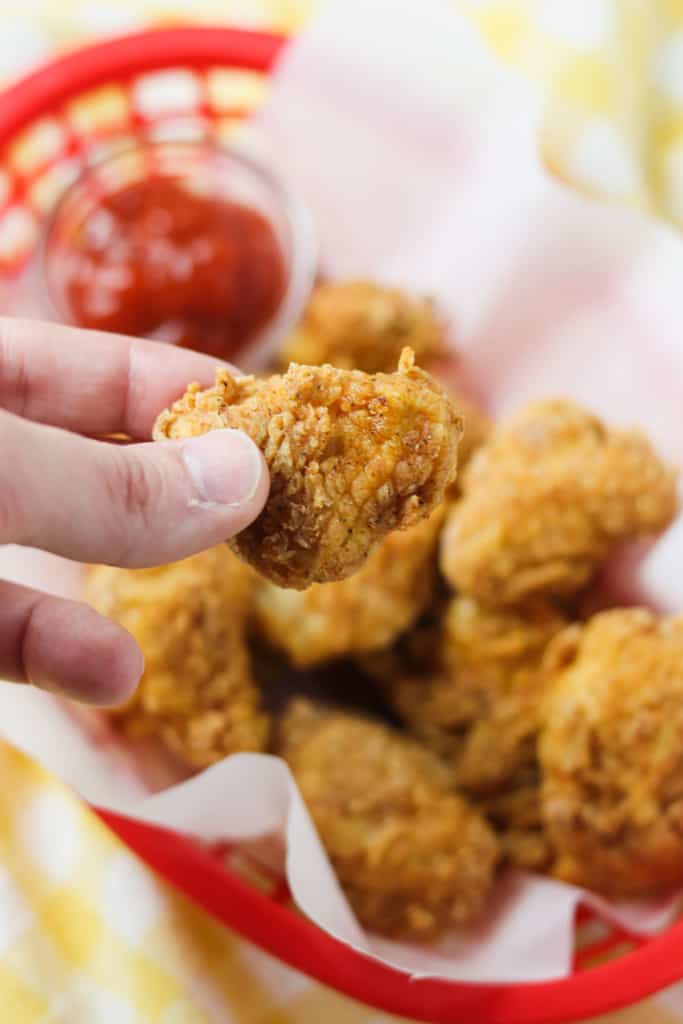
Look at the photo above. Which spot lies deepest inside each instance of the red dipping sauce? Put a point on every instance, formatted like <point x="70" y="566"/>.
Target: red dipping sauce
<point x="156" y="259"/>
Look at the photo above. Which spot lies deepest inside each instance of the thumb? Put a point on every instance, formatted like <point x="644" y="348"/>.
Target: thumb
<point x="135" y="505"/>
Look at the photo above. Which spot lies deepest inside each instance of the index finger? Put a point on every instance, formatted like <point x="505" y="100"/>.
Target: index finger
<point x="92" y="382"/>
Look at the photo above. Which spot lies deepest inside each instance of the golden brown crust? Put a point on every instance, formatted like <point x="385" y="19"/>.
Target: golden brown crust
<point x="351" y="457"/>
<point x="471" y="693"/>
<point x="516" y="814"/>
<point x="480" y="709"/>
<point x="197" y="694"/>
<point x="611" y="753"/>
<point x="363" y="613"/>
<point x="357" y="325"/>
<point x="544" y="501"/>
<point x="412" y="857"/>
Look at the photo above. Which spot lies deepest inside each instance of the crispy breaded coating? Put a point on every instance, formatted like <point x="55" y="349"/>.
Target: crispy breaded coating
<point x="412" y="857"/>
<point x="546" y="499"/>
<point x="479" y="710"/>
<point x="357" y="325"/>
<point x="418" y="650"/>
<point x="189" y="618"/>
<point x="611" y="753"/>
<point x="365" y="612"/>
<point x="351" y="457"/>
<point x="515" y="812"/>
<point x="477" y="706"/>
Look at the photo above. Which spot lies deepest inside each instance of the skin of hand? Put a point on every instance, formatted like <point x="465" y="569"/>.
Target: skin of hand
<point x="358" y="325"/>
<point x="352" y="456"/>
<point x="363" y="613"/>
<point x="66" y="490"/>
<point x="611" y="753"/>
<point x="546" y="499"/>
<point x="412" y="856"/>
<point x="197" y="693"/>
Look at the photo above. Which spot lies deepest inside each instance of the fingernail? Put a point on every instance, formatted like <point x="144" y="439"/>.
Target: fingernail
<point x="225" y="466"/>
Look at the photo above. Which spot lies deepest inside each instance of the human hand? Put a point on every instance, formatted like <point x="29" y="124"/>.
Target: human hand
<point x="130" y="505"/>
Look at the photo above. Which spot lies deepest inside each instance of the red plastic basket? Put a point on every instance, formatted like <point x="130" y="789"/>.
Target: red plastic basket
<point x="50" y="122"/>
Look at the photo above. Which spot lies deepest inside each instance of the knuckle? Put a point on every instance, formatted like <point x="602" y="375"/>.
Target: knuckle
<point x="15" y="381"/>
<point x="10" y="516"/>
<point x="135" y="488"/>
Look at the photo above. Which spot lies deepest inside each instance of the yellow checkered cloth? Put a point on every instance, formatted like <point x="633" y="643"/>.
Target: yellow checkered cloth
<point x="87" y="934"/>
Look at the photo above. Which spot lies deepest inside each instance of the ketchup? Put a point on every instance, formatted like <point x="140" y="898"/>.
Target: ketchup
<point x="157" y="260"/>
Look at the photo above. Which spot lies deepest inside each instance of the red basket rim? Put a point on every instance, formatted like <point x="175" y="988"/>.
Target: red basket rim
<point x="184" y="863"/>
<point x="295" y="940"/>
<point x="56" y="82"/>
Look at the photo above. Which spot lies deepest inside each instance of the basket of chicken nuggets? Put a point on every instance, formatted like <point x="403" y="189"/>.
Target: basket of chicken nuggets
<point x="449" y="703"/>
<point x="446" y="748"/>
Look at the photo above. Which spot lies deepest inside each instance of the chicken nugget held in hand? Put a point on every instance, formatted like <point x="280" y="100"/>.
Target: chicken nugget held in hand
<point x="351" y="457"/>
<point x="363" y="613"/>
<point x="413" y="858"/>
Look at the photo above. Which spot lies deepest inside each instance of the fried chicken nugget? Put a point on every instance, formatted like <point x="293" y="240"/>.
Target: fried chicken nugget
<point x="479" y="710"/>
<point x="476" y="704"/>
<point x="611" y="753"/>
<point x="351" y="457"/>
<point x="189" y="618"/>
<point x="546" y="499"/>
<point x="365" y="612"/>
<point x="357" y="325"/>
<point x="516" y="814"/>
<point x="412" y="857"/>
